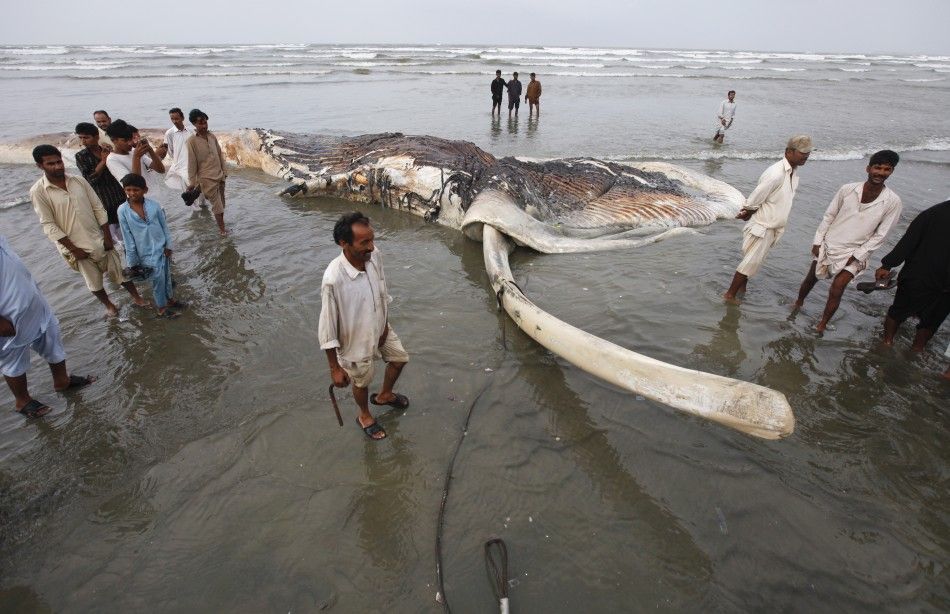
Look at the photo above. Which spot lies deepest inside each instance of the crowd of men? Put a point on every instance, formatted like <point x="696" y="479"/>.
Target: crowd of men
<point x="532" y="96"/>
<point x="103" y="224"/>
<point x="855" y="224"/>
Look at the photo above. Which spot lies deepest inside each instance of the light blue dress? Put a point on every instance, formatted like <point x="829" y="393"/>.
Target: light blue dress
<point x="145" y="243"/>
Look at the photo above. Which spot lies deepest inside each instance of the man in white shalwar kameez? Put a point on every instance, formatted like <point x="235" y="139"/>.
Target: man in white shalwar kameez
<point x="855" y="224"/>
<point x="727" y="112"/>
<point x="766" y="211"/>
<point x="173" y="145"/>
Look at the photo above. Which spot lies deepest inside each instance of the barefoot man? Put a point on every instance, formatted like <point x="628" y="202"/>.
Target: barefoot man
<point x="856" y="223"/>
<point x="354" y="321"/>
<point x="766" y="211"/>
<point x="75" y="221"/>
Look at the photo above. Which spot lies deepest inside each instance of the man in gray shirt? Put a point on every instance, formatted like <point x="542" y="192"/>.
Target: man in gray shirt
<point x="514" y="94"/>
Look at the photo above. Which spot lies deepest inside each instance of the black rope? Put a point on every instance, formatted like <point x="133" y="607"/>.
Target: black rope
<point x="445" y="496"/>
<point x="497" y="570"/>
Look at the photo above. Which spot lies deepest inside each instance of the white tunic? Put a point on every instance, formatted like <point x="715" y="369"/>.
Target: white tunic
<point x="772" y="199"/>
<point x="177" y="171"/>
<point x="20" y="300"/>
<point x="355" y="308"/>
<point x="727" y="111"/>
<point x="120" y="165"/>
<point x="851" y="228"/>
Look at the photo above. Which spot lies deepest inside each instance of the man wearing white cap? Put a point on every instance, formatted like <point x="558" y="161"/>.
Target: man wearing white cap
<point x="766" y="211"/>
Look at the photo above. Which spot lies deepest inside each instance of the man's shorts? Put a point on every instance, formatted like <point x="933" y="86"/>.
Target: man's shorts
<point x="92" y="270"/>
<point x="514" y="103"/>
<point x="16" y="361"/>
<point x="213" y="191"/>
<point x="496" y="100"/>
<point x="361" y="373"/>
<point x="932" y="307"/>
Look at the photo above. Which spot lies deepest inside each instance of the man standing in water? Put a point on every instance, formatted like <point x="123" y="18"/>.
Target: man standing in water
<point x="766" y="211"/>
<point x="514" y="94"/>
<point x="856" y="223"/>
<point x="354" y="321"/>
<point x="497" y="90"/>
<point x="923" y="286"/>
<point x="206" y="166"/>
<point x="75" y="221"/>
<point x="727" y="111"/>
<point x="26" y="321"/>
<point x="533" y="95"/>
<point x="173" y="145"/>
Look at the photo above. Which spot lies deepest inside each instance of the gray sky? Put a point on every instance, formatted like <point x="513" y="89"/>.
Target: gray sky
<point x="856" y="26"/>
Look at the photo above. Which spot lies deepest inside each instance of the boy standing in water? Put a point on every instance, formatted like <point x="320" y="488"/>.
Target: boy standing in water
<point x="148" y="242"/>
<point x="497" y="90"/>
<point x="533" y="95"/>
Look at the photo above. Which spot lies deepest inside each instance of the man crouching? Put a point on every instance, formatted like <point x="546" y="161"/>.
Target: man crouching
<point x="354" y="321"/>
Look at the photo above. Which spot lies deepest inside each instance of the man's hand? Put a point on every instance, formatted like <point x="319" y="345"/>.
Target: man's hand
<point x="851" y="261"/>
<point x="7" y="329"/>
<point x="744" y="215"/>
<point x="107" y="241"/>
<point x="881" y="273"/>
<point x="141" y="149"/>
<point x="103" y="153"/>
<point x="168" y="253"/>
<point x="79" y="254"/>
<point x="815" y="249"/>
<point x="339" y="377"/>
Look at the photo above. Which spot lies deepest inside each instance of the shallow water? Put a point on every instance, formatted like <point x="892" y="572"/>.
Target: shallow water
<point x="205" y="471"/>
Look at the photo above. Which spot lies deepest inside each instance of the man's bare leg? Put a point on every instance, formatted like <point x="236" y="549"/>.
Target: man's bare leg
<point x="946" y="374"/>
<point x="134" y="293"/>
<point x="111" y="309"/>
<point x="738" y="285"/>
<point x="920" y="339"/>
<point x="60" y="375"/>
<point x="21" y="395"/>
<point x="890" y="329"/>
<point x="219" y="218"/>
<point x="807" y="284"/>
<point x="361" y="396"/>
<point x="840" y="282"/>
<point x="386" y="394"/>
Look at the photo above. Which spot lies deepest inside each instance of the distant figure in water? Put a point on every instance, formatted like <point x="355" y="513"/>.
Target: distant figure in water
<point x="533" y="95"/>
<point x="856" y="223"/>
<point x="514" y="94"/>
<point x="727" y="112"/>
<point x="207" y="168"/>
<point x="354" y="321"/>
<point x="497" y="91"/>
<point x="73" y="218"/>
<point x="766" y="211"/>
<point x="27" y="322"/>
<point x="923" y="286"/>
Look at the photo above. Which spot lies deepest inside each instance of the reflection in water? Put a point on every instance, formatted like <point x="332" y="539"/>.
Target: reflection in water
<point x="723" y="354"/>
<point x="513" y="124"/>
<point x="494" y="130"/>
<point x="533" y="122"/>
<point x="713" y="167"/>
<point x="384" y="507"/>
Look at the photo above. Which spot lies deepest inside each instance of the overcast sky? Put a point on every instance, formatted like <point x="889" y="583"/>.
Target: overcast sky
<point x="855" y="26"/>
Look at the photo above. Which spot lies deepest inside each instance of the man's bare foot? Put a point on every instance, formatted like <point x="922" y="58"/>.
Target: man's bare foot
<point x="140" y="302"/>
<point x="730" y="298"/>
<point x="223" y="232"/>
<point x="112" y="311"/>
<point x="821" y="327"/>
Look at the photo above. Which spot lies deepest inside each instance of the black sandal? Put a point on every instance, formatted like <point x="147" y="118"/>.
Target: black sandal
<point x="34" y="409"/>
<point x="372" y="429"/>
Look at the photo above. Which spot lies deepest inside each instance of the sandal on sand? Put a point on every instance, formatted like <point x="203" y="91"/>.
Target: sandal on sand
<point x="372" y="430"/>
<point x="400" y="402"/>
<point x="34" y="409"/>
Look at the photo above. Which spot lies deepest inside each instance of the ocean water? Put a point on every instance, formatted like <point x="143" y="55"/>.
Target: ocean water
<point x="205" y="471"/>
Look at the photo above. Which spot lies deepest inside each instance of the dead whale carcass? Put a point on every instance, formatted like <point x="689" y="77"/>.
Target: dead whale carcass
<point x="553" y="206"/>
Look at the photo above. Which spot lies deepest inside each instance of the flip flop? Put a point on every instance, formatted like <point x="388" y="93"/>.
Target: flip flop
<point x="885" y="284"/>
<point x="372" y="429"/>
<point x="34" y="409"/>
<point x="76" y="381"/>
<point x="400" y="402"/>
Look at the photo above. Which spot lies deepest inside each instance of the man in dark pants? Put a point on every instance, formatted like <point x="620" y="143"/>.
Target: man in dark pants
<point x="91" y="162"/>
<point x="923" y="286"/>
<point x="514" y="94"/>
<point x="497" y="90"/>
